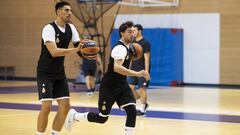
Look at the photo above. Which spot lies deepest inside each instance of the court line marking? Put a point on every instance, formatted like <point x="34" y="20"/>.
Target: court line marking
<point x="152" y="114"/>
<point x="22" y="114"/>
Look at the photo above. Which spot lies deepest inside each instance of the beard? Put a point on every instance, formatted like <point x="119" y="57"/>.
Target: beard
<point x="68" y="19"/>
<point x="130" y="40"/>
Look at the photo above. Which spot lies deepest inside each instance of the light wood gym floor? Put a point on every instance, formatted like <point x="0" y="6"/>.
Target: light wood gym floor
<point x="172" y="111"/>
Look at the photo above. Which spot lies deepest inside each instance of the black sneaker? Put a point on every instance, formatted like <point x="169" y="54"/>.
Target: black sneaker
<point x="89" y="93"/>
<point x="139" y="113"/>
<point x="146" y="107"/>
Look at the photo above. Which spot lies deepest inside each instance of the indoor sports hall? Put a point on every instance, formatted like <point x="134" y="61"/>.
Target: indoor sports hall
<point x="195" y="65"/>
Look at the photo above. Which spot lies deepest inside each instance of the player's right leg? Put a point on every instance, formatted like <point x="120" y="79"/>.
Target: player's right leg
<point x="45" y="96"/>
<point x="86" y="72"/>
<point x="42" y="120"/>
<point x="104" y="105"/>
<point x="74" y="116"/>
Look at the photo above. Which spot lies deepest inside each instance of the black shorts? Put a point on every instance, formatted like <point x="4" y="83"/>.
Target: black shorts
<point x="122" y="95"/>
<point x="49" y="89"/>
<point x="89" y="72"/>
<point x="140" y="81"/>
<point x="89" y="67"/>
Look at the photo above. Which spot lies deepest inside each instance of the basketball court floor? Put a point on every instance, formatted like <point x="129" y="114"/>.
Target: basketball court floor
<point x="172" y="111"/>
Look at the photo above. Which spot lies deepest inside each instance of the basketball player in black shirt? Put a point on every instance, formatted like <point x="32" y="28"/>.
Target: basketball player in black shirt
<point x="51" y="78"/>
<point x="141" y="64"/>
<point x="114" y="86"/>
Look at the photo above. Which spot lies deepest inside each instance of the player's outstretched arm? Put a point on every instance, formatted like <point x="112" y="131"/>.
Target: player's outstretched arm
<point x="128" y="72"/>
<point x="145" y="74"/>
<point x="58" y="52"/>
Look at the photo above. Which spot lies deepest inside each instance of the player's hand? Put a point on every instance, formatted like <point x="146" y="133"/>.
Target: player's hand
<point x="82" y="42"/>
<point x="78" y="48"/>
<point x="144" y="74"/>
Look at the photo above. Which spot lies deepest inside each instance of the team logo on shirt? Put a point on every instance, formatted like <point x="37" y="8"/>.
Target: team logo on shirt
<point x="57" y="40"/>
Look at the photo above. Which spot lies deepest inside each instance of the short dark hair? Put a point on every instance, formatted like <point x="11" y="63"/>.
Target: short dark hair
<point x="124" y="26"/>
<point x="60" y="4"/>
<point x="139" y="27"/>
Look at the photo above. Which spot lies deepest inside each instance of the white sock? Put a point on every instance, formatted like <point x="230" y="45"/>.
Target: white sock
<point x="54" y="132"/>
<point x="40" y="133"/>
<point x="80" y="116"/>
<point x="142" y="106"/>
<point x="129" y="130"/>
<point x="138" y="103"/>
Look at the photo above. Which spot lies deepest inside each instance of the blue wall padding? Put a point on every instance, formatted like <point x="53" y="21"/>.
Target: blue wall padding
<point x="166" y="54"/>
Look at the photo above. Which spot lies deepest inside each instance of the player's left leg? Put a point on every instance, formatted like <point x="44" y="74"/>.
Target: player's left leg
<point x="63" y="108"/>
<point x="92" y="83"/>
<point x="127" y="101"/>
<point x="43" y="116"/>
<point x="88" y="85"/>
<point x="144" y="104"/>
<point x="131" y="119"/>
<point x="143" y="84"/>
<point x="61" y="94"/>
<point x="45" y="90"/>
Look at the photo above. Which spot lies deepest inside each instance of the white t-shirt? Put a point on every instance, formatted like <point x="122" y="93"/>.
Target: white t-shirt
<point x="119" y="52"/>
<point x="48" y="33"/>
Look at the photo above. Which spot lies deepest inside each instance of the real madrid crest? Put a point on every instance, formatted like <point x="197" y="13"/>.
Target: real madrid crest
<point x="104" y="106"/>
<point x="43" y="88"/>
<point x="57" y="40"/>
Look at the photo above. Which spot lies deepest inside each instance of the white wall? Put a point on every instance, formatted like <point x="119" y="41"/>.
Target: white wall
<point x="201" y="41"/>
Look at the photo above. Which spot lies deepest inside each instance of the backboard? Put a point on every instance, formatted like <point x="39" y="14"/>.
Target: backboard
<point x="150" y="3"/>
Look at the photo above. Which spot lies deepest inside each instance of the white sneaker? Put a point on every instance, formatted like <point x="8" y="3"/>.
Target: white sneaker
<point x="68" y="124"/>
<point x="89" y="94"/>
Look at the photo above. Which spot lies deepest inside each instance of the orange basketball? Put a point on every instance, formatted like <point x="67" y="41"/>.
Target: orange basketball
<point x="137" y="51"/>
<point x="89" y="49"/>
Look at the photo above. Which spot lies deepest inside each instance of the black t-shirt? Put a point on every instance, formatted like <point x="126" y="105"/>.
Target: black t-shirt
<point x="53" y="67"/>
<point x="113" y="79"/>
<point x="140" y="64"/>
